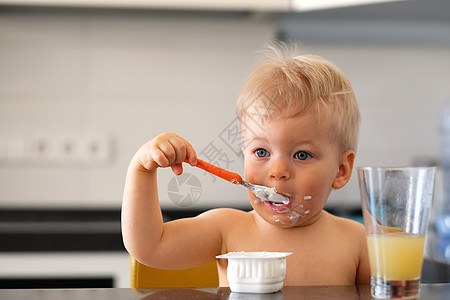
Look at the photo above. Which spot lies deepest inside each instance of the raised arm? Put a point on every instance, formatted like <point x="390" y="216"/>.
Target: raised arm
<point x="179" y="244"/>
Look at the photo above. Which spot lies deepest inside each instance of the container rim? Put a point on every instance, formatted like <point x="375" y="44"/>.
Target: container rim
<point x="395" y="168"/>
<point x="254" y="255"/>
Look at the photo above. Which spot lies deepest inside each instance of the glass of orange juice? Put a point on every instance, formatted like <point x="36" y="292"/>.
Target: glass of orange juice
<point x="396" y="204"/>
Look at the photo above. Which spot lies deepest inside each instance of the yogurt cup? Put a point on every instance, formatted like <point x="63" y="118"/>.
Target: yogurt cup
<point x="256" y="272"/>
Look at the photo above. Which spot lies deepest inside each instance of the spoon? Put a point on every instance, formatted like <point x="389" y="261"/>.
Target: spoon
<point x="262" y="192"/>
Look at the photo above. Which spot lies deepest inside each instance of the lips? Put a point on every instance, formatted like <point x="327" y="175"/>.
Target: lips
<point x="278" y="207"/>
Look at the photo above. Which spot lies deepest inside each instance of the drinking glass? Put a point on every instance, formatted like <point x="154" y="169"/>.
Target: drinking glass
<point x="396" y="204"/>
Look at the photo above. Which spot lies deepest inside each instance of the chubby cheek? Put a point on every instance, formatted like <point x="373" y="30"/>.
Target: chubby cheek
<point x="309" y="198"/>
<point x="255" y="202"/>
<point x="314" y="189"/>
<point x="312" y="199"/>
<point x="254" y="174"/>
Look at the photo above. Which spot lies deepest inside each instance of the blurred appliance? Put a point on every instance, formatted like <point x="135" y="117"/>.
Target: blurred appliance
<point x="62" y="249"/>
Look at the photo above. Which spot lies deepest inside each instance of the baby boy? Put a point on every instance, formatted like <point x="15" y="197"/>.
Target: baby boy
<point x="299" y="123"/>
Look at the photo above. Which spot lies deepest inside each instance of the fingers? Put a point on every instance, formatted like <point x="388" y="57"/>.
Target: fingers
<point x="172" y="150"/>
<point x="177" y="169"/>
<point x="191" y="155"/>
<point x="169" y="149"/>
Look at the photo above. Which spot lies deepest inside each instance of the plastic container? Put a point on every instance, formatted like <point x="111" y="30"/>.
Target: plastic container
<point x="256" y="272"/>
<point x="444" y="134"/>
<point x="442" y="222"/>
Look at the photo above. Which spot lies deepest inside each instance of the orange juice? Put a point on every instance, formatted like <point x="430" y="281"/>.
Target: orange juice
<point x="396" y="256"/>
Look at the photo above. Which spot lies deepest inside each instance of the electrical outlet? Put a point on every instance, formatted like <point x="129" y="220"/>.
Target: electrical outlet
<point x="40" y="148"/>
<point x="100" y="149"/>
<point x="95" y="148"/>
<point x="68" y="149"/>
<point x="63" y="149"/>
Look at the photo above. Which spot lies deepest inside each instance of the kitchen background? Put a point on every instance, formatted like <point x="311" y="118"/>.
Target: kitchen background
<point x="81" y="89"/>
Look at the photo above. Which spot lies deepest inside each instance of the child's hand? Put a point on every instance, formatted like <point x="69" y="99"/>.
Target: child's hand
<point x="167" y="149"/>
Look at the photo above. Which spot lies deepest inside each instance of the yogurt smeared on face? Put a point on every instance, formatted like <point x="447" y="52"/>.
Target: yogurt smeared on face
<point x="278" y="198"/>
<point x="269" y="194"/>
<point x="265" y="193"/>
<point x="290" y="216"/>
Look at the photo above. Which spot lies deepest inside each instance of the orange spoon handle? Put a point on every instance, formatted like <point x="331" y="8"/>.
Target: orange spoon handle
<point x="219" y="172"/>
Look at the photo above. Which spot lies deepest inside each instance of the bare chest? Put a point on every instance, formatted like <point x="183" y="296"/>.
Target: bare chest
<point x="316" y="260"/>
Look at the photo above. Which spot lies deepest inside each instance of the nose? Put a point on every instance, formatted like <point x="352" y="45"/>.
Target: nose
<point x="279" y="170"/>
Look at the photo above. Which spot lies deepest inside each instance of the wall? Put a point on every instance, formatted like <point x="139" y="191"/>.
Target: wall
<point x="122" y="77"/>
<point x="398" y="65"/>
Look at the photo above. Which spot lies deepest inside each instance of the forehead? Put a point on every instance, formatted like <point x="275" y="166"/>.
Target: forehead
<point x="308" y="123"/>
<point x="265" y="108"/>
<point x="312" y="124"/>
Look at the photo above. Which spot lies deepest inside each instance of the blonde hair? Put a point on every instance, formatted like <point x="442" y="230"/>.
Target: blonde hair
<point x="287" y="84"/>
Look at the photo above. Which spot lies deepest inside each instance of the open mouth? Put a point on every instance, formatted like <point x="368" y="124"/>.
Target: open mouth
<point x="276" y="206"/>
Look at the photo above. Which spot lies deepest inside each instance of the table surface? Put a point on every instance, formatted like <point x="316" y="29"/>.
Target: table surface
<point x="427" y="291"/>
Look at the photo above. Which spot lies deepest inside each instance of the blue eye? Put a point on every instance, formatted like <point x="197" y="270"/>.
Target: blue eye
<point x="261" y="152"/>
<point x="302" y="155"/>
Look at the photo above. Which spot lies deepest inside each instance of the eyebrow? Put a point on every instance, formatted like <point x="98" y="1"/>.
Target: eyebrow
<point x="300" y="143"/>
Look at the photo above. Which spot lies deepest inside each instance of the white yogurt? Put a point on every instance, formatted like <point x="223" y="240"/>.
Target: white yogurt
<point x="269" y="194"/>
<point x="262" y="254"/>
<point x="278" y="198"/>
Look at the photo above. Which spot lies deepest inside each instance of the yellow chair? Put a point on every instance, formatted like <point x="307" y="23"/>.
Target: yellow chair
<point x="143" y="276"/>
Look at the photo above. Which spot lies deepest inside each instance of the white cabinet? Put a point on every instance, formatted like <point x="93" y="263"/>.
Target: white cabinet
<point x="41" y="266"/>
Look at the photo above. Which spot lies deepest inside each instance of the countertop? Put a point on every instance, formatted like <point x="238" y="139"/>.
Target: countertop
<point x="427" y="291"/>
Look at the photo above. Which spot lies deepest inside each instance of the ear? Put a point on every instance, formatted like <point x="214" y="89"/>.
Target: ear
<point x="345" y="169"/>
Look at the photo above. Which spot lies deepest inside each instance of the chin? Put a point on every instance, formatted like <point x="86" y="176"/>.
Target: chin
<point x="287" y="222"/>
<point x="287" y="219"/>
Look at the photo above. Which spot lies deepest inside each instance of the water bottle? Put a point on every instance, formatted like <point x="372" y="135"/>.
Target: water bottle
<point x="442" y="222"/>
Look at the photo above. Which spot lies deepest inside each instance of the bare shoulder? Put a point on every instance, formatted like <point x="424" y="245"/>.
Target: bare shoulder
<point x="224" y="215"/>
<point x="350" y="228"/>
